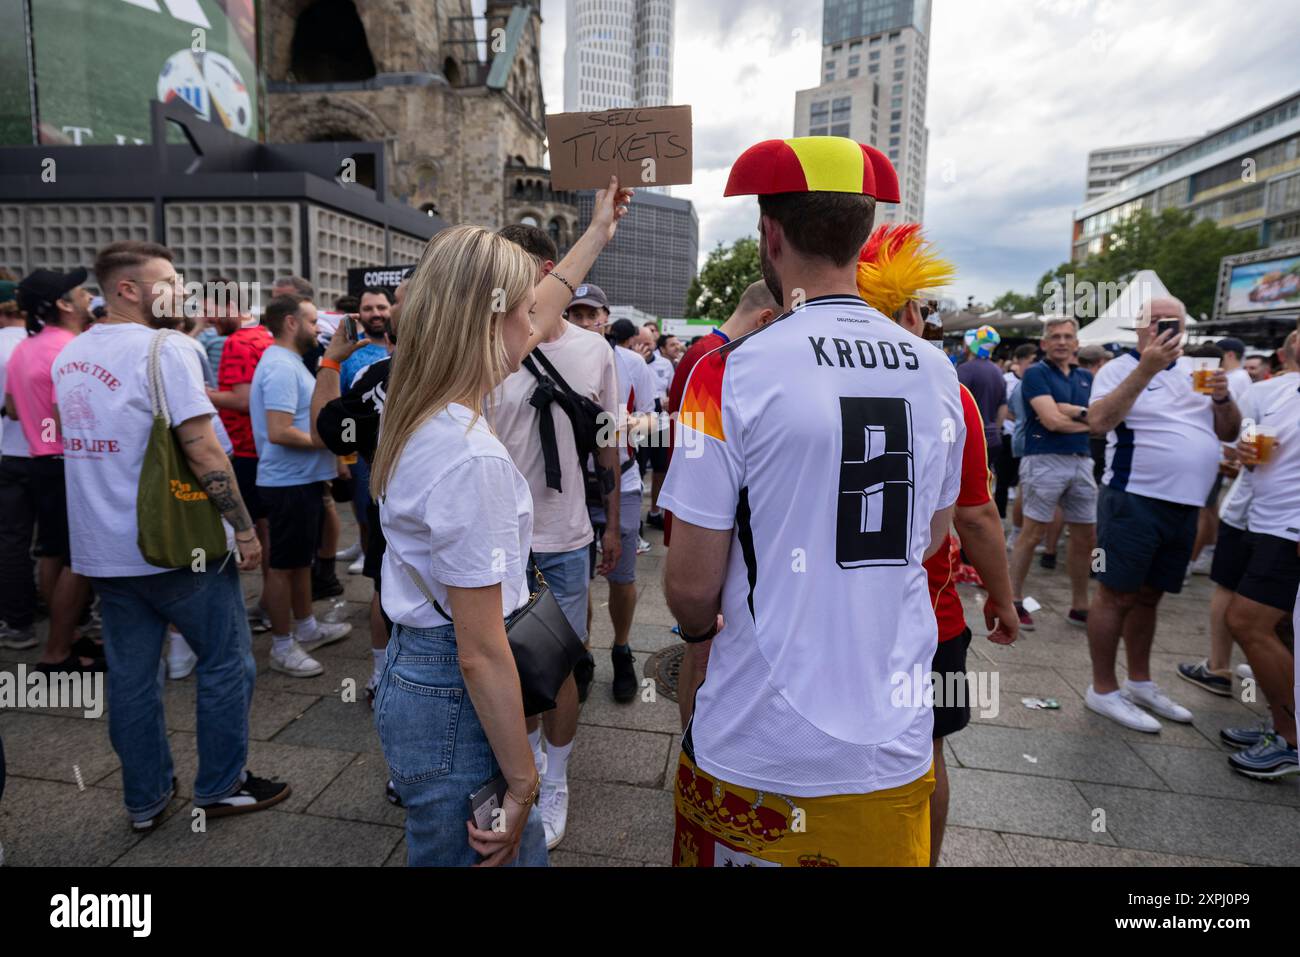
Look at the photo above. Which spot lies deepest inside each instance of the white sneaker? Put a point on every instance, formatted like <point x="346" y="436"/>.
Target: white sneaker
<point x="1011" y="538"/>
<point x="326" y="634"/>
<point x="348" y="554"/>
<point x="356" y="567"/>
<point x="1245" y="672"/>
<point x="642" y="546"/>
<point x="181" y="659"/>
<point x="1153" y="699"/>
<point x="554" y="805"/>
<point x="1203" y="562"/>
<point x="1119" y="709"/>
<point x="295" y="662"/>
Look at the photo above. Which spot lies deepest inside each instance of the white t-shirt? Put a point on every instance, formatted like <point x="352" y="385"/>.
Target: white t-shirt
<point x="586" y="362"/>
<point x="662" y="369"/>
<point x="13" y="443"/>
<point x="1166" y="447"/>
<point x="1275" y="485"/>
<point x="458" y="513"/>
<point x="1238" y="382"/>
<point x="1012" y="380"/>
<point x="825" y="442"/>
<point x="636" y="393"/>
<point x="101" y="384"/>
<point x="1235" y="507"/>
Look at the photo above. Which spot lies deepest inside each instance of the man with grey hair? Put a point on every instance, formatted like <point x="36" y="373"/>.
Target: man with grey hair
<point x="1161" y="458"/>
<point x="1056" y="470"/>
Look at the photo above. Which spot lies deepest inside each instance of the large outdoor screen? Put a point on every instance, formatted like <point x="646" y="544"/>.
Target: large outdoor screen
<point x="1272" y="284"/>
<point x="98" y="63"/>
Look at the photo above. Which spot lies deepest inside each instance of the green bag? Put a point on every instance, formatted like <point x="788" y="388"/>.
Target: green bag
<point x="174" y="514"/>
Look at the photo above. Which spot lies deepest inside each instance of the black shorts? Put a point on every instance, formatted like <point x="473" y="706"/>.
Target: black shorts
<point x="1143" y="541"/>
<point x="1215" y="489"/>
<point x="246" y="478"/>
<point x="949" y="665"/>
<point x="376" y="545"/>
<point x="295" y="513"/>
<point x="1230" y="556"/>
<point x="1267" y="571"/>
<point x="655" y="455"/>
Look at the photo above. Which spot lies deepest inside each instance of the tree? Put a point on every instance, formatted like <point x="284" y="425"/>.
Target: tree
<point x="728" y="271"/>
<point x="1184" y="253"/>
<point x="1012" y="302"/>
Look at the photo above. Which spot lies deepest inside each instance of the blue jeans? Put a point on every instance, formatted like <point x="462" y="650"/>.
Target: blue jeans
<point x="208" y="609"/>
<point x="436" y="749"/>
<point x="566" y="574"/>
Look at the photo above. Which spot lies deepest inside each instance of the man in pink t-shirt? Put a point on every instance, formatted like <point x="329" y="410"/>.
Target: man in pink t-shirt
<point x="58" y="309"/>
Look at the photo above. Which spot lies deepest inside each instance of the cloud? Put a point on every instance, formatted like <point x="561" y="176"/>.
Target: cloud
<point x="1019" y="92"/>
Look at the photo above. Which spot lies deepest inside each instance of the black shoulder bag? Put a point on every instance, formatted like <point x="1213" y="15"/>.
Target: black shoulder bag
<point x="544" y="644"/>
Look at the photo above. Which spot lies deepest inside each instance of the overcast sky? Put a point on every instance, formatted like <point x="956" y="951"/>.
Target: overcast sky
<point x="1019" y="92"/>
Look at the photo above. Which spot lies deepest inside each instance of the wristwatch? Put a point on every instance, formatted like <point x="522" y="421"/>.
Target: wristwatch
<point x="1081" y="415"/>
<point x="696" y="639"/>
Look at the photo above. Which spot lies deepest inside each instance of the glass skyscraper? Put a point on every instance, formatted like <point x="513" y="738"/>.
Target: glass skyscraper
<point x="875" y="66"/>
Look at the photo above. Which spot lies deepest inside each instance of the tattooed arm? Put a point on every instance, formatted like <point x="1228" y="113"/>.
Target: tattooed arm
<point x="217" y="478"/>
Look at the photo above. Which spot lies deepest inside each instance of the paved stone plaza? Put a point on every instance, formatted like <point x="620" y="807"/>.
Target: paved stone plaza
<point x="1028" y="785"/>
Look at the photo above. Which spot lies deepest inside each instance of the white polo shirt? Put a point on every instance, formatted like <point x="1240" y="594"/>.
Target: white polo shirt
<point x="1275" y="485"/>
<point x="1236" y="504"/>
<point x="1166" y="447"/>
<point x="824" y="442"/>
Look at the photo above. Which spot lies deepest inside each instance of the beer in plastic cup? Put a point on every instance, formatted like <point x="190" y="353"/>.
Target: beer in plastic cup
<point x="1203" y="369"/>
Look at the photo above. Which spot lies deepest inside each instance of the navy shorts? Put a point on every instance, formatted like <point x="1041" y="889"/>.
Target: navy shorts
<point x="1143" y="541"/>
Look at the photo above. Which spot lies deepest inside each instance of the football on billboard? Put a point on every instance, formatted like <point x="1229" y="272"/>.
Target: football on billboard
<point x="211" y="84"/>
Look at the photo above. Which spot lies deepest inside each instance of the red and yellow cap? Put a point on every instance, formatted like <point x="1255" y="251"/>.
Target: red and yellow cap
<point x="813" y="164"/>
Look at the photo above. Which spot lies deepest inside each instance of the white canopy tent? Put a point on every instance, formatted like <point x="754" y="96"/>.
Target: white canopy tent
<point x="1143" y="287"/>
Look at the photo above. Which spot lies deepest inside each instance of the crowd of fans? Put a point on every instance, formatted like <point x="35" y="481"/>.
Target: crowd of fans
<point x="797" y="512"/>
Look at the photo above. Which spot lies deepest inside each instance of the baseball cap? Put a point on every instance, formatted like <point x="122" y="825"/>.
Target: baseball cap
<point x="8" y="290"/>
<point x="589" y="294"/>
<point x="1231" y="344"/>
<point x="44" y="286"/>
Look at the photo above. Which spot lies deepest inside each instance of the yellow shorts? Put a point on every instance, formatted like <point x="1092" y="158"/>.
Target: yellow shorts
<point x="722" y="825"/>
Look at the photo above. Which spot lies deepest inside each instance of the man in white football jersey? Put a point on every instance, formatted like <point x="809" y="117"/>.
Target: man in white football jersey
<point x="818" y="462"/>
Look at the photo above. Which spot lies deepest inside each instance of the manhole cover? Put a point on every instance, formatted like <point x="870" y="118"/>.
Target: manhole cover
<point x="665" y="667"/>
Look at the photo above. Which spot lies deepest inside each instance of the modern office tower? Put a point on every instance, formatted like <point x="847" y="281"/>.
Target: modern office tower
<point x="875" y="61"/>
<point x="1245" y="175"/>
<point x="652" y="259"/>
<point x="617" y="54"/>
<point x="1106" y="167"/>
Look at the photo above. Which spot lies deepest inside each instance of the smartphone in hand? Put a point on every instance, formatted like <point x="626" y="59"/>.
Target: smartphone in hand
<point x="1166" y="325"/>
<point x="485" y="800"/>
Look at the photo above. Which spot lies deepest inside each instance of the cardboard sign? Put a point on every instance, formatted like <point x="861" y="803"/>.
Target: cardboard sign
<point x="646" y="146"/>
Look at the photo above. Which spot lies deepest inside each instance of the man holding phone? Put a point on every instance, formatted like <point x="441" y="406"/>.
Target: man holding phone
<point x="1162" y="455"/>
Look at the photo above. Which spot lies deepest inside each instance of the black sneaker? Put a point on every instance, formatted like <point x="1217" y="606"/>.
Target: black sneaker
<point x="394" y="798"/>
<point x="144" y="827"/>
<point x="255" y="795"/>
<point x="583" y="673"/>
<point x="625" y="683"/>
<point x="655" y="520"/>
<point x="1047" y="560"/>
<point x="322" y="587"/>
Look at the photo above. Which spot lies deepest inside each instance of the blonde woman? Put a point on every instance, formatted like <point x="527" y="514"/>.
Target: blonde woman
<point x="458" y="519"/>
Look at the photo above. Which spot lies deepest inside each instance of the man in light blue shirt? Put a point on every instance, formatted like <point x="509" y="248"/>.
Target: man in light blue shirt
<point x="292" y="468"/>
